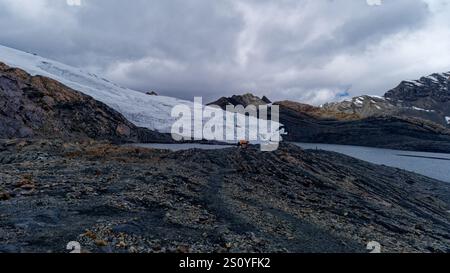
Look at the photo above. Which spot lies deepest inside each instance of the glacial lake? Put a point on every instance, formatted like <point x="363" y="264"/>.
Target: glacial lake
<point x="434" y="165"/>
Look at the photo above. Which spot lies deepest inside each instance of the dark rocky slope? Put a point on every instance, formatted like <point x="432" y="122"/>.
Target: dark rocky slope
<point x="377" y="131"/>
<point x="41" y="107"/>
<point x="124" y="199"/>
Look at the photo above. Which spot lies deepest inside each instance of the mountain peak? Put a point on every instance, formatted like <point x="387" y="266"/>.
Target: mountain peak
<point x="429" y="95"/>
<point x="433" y="87"/>
<point x="363" y="106"/>
<point x="244" y="100"/>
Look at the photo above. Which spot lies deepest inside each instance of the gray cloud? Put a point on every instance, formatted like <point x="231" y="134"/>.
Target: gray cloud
<point x="310" y="50"/>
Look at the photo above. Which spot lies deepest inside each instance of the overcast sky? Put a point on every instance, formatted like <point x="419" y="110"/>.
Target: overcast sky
<point x="308" y="50"/>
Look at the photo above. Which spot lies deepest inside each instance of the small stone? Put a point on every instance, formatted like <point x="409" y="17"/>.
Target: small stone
<point x="420" y="227"/>
<point x="132" y="250"/>
<point x="183" y="249"/>
<point x="121" y="244"/>
<point x="101" y="243"/>
<point x="90" y="234"/>
<point x="4" y="196"/>
<point x="157" y="247"/>
<point x="28" y="186"/>
<point x="255" y="238"/>
<point x="28" y="193"/>
<point x="222" y="230"/>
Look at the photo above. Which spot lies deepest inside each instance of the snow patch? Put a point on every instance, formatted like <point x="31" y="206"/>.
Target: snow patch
<point x="414" y="83"/>
<point x="433" y="78"/>
<point x="359" y="101"/>
<point x="377" y="97"/>
<point x="447" y="119"/>
<point x="421" y="109"/>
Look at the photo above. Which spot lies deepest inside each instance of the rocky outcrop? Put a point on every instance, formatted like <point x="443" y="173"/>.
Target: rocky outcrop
<point x="433" y="88"/>
<point x="428" y="97"/>
<point x="309" y="124"/>
<point x="232" y="200"/>
<point x="244" y="100"/>
<point x="362" y="106"/>
<point x="318" y="112"/>
<point x="39" y="107"/>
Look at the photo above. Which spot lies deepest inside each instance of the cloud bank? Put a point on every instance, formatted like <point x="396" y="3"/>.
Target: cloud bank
<point x="308" y="50"/>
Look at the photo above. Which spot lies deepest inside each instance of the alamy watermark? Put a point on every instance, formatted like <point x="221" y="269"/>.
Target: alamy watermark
<point x="252" y="123"/>
<point x="75" y="247"/>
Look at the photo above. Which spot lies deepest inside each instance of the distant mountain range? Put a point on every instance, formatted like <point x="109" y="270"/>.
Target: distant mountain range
<point x="427" y="98"/>
<point x="413" y="116"/>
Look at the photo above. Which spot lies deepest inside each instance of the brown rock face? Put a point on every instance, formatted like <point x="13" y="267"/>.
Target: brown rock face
<point x="317" y="112"/>
<point x="123" y="130"/>
<point x="39" y="107"/>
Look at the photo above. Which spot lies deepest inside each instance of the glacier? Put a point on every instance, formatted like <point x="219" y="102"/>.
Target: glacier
<point x="152" y="112"/>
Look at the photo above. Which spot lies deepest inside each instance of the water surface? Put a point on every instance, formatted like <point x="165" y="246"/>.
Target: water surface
<point x="435" y="165"/>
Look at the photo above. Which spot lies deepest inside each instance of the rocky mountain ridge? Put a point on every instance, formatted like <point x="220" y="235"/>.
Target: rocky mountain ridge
<point x="244" y="100"/>
<point x="40" y="107"/>
<point x="385" y="131"/>
<point x="413" y="116"/>
<point x="427" y="98"/>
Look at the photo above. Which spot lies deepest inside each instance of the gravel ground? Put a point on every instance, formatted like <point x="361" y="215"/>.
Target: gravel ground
<point x="125" y="199"/>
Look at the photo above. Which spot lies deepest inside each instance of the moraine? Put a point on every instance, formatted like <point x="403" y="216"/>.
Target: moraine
<point x="434" y="165"/>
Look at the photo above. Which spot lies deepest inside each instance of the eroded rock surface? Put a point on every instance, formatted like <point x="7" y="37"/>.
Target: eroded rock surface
<point x="124" y="199"/>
